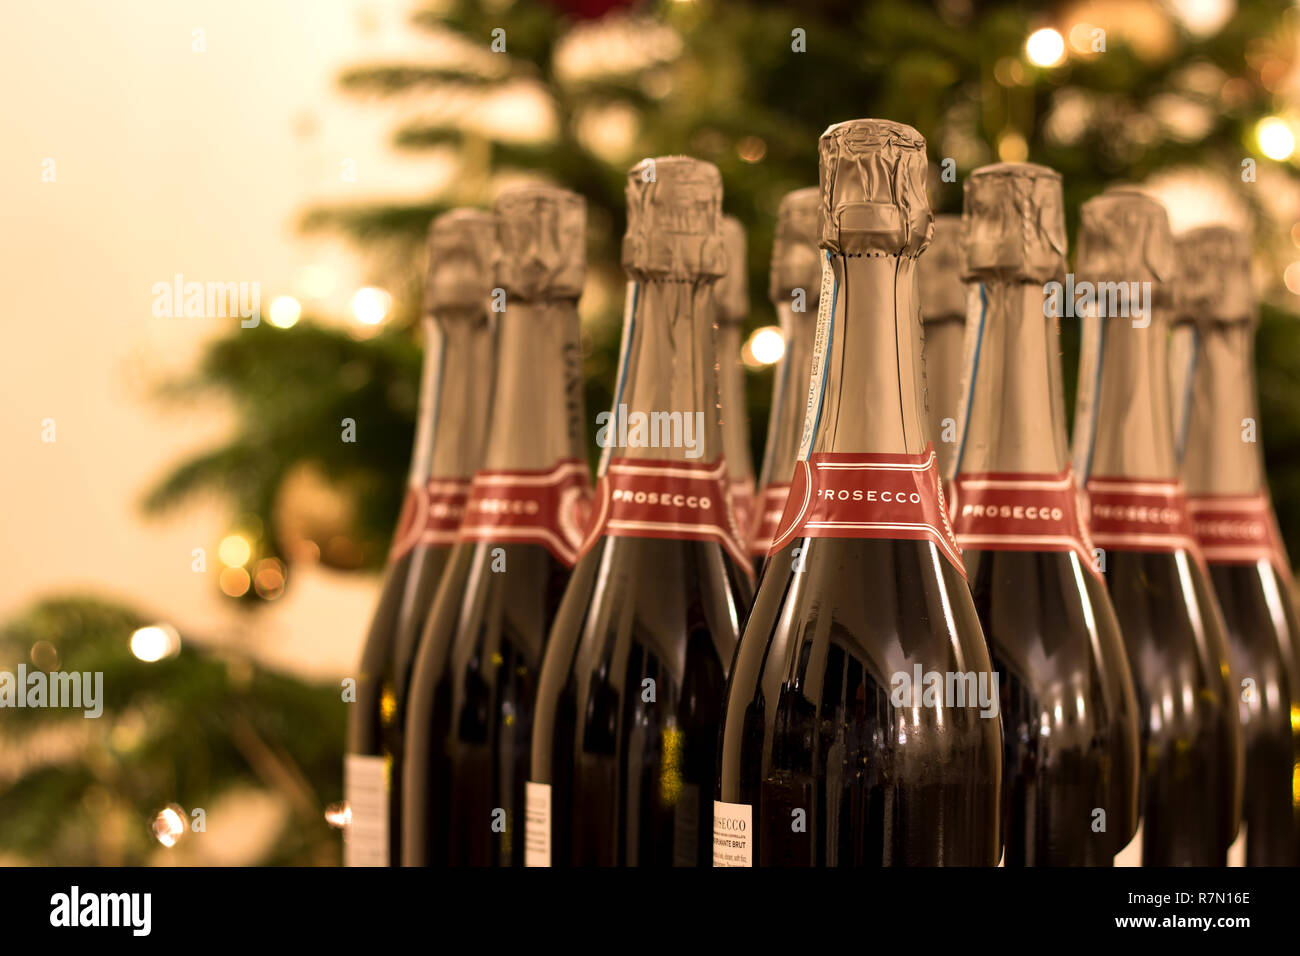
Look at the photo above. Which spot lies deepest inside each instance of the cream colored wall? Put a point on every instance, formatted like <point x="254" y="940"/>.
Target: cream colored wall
<point x="167" y="160"/>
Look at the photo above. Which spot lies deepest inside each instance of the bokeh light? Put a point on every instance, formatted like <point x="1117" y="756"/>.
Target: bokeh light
<point x="338" y="815"/>
<point x="234" y="550"/>
<point x="1276" y="141"/>
<point x="764" y="347"/>
<point x="285" y="311"/>
<point x="234" y="582"/>
<point x="1291" y="276"/>
<point x="1045" y="47"/>
<point x="268" y="579"/>
<point x="751" y="149"/>
<point x="370" y="305"/>
<point x="169" y="825"/>
<point x="45" y="656"/>
<point x="155" y="642"/>
<point x="1012" y="147"/>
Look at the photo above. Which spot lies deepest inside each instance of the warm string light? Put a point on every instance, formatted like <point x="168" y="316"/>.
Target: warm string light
<point x="234" y="550"/>
<point x="266" y="577"/>
<point x="169" y="825"/>
<point x="1275" y="138"/>
<point x="370" y="305"/>
<point x="155" y="642"/>
<point x="1045" y="47"/>
<point x="338" y="815"/>
<point x="285" y="312"/>
<point x="1291" y="277"/>
<point x="764" y="347"/>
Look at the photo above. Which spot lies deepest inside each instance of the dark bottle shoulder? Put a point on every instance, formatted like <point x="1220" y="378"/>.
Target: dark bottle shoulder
<point x="653" y="577"/>
<point x="509" y="599"/>
<point x="1256" y="598"/>
<point x="1164" y="597"/>
<point x="1044" y="602"/>
<point x="377" y="649"/>
<point x="648" y="596"/>
<point x="879" y="588"/>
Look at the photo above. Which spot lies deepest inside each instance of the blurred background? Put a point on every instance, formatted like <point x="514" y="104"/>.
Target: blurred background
<point x="180" y="512"/>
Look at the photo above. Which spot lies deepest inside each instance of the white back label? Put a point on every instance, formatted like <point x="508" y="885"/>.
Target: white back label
<point x="537" y="824"/>
<point x="1237" y="852"/>
<point x="820" y="356"/>
<point x="1131" y="855"/>
<point x="365" y="787"/>
<point x="733" y="834"/>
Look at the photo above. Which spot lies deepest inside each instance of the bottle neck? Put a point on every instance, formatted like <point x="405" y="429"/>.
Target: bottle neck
<point x="731" y="386"/>
<point x="789" y="395"/>
<point x="455" y="388"/>
<point x="1014" y="405"/>
<point x="1125" y="413"/>
<point x="537" y="404"/>
<point x="666" y="404"/>
<point x="870" y="370"/>
<point x="1222" y="454"/>
<point x="944" y="356"/>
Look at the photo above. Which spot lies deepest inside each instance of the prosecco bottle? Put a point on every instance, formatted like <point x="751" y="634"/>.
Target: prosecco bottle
<point x="626" y="725"/>
<point x="475" y="679"/>
<point x="943" y="326"/>
<point x="448" y="442"/>
<point x="795" y="287"/>
<point x="1124" y="449"/>
<point x="732" y="294"/>
<point x="861" y="724"/>
<point x="1232" y="517"/>
<point x="1069" y="715"/>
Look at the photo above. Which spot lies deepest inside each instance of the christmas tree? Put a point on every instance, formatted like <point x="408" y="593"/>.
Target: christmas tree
<point x="1188" y="97"/>
<point x="575" y="93"/>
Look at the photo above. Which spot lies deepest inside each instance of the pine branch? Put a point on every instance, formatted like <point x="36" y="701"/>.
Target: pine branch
<point x="392" y="80"/>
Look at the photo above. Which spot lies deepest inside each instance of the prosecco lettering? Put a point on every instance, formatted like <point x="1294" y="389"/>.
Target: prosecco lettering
<point x="872" y="494"/>
<point x="1013" y="512"/>
<point x="664" y="499"/>
<point x="1138" y="514"/>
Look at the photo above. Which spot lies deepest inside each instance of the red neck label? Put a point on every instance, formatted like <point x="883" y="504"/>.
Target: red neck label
<point x="1238" y="529"/>
<point x="682" y="501"/>
<point x="837" y="495"/>
<point x="430" y="515"/>
<point x="1006" y="511"/>
<point x="549" y="507"/>
<point x="767" y="517"/>
<point x="1139" y="514"/>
